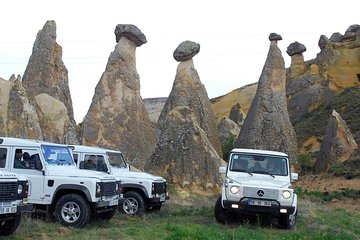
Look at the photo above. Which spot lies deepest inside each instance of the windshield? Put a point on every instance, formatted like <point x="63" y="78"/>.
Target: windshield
<point x="116" y="159"/>
<point x="57" y="155"/>
<point x="263" y="164"/>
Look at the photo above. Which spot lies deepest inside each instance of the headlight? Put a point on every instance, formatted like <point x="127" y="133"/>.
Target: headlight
<point x="234" y="189"/>
<point x="98" y="189"/>
<point x="20" y="189"/>
<point x="286" y="194"/>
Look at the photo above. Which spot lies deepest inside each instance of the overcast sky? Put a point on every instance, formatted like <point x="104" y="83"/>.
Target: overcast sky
<point x="233" y="37"/>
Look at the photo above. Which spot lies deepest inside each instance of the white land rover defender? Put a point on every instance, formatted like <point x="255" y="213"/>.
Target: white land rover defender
<point x="57" y="187"/>
<point x="258" y="182"/>
<point x="14" y="191"/>
<point x="142" y="191"/>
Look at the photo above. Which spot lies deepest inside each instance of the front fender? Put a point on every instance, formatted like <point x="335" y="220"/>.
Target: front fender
<point x="72" y="187"/>
<point x="136" y="186"/>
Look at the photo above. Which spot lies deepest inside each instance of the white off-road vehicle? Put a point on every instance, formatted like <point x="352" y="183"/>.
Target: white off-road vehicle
<point x="258" y="182"/>
<point x="14" y="191"/>
<point x="57" y="187"/>
<point x="142" y="191"/>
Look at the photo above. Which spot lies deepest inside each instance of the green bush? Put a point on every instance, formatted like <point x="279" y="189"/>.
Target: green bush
<point x="227" y="146"/>
<point x="306" y="161"/>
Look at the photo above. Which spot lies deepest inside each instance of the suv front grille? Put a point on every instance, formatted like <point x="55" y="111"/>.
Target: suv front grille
<point x="8" y="191"/>
<point x="108" y="188"/>
<point x="159" y="187"/>
<point x="252" y="192"/>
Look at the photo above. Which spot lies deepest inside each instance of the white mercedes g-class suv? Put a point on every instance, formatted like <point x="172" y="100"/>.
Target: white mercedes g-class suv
<point x="57" y="187"/>
<point x="258" y="182"/>
<point x="142" y="191"/>
<point x="14" y="191"/>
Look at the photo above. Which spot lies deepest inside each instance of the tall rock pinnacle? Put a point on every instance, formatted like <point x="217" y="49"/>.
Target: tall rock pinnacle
<point x="267" y="124"/>
<point x="47" y="74"/>
<point x="187" y="153"/>
<point x="338" y="143"/>
<point x="117" y="117"/>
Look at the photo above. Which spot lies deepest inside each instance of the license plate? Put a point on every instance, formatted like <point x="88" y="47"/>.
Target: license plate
<point x="4" y="210"/>
<point x="162" y="197"/>
<point x="259" y="203"/>
<point x="113" y="202"/>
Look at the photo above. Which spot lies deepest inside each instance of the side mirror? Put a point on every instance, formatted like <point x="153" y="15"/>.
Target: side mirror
<point x="294" y="176"/>
<point x="222" y="170"/>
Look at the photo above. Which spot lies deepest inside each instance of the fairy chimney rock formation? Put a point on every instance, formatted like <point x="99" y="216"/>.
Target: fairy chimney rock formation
<point x="338" y="143"/>
<point x="187" y="152"/>
<point x="297" y="67"/>
<point x="267" y="124"/>
<point x="236" y="114"/>
<point x="46" y="73"/>
<point x="117" y="117"/>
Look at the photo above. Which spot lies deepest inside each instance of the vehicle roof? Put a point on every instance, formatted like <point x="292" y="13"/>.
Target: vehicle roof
<point x="258" y="151"/>
<point x="23" y="142"/>
<point x="91" y="149"/>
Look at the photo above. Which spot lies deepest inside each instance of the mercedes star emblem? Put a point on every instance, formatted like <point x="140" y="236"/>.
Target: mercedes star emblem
<point x="260" y="193"/>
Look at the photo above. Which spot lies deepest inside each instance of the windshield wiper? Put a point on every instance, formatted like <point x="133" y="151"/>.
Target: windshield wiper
<point x="263" y="172"/>
<point x="242" y="170"/>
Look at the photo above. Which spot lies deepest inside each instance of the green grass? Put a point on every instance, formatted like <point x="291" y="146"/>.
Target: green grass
<point x="177" y="222"/>
<point x="328" y="196"/>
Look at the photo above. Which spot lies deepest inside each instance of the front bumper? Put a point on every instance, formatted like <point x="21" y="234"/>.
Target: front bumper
<point x="243" y="207"/>
<point x="25" y="208"/>
<point x="107" y="203"/>
<point x="158" y="200"/>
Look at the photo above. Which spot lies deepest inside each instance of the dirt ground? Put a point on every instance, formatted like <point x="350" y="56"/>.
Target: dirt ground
<point x="328" y="183"/>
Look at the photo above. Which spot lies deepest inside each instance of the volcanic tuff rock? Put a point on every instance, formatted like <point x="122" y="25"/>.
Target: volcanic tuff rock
<point x="228" y="129"/>
<point x="18" y="116"/>
<point x="46" y="73"/>
<point x="335" y="68"/>
<point x="267" y="124"/>
<point x="117" y="117"/>
<point x="236" y="114"/>
<point x="243" y="96"/>
<point x="187" y="150"/>
<point x="338" y="143"/>
<point x="154" y="107"/>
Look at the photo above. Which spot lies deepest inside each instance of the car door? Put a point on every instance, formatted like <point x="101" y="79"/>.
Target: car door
<point x="33" y="170"/>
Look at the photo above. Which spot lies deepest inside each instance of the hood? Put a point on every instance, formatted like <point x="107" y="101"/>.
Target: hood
<point x="262" y="181"/>
<point x="138" y="175"/>
<point x="7" y="175"/>
<point x="72" y="171"/>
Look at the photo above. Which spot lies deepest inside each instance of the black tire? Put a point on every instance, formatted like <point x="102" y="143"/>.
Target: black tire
<point x="72" y="210"/>
<point x="133" y="204"/>
<point x="221" y="214"/>
<point x="287" y="221"/>
<point x="107" y="215"/>
<point x="9" y="226"/>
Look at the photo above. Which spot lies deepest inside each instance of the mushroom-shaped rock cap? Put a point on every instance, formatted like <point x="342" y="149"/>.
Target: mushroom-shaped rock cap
<point x="352" y="32"/>
<point x="336" y="37"/>
<point x="323" y="40"/>
<point x="274" y="36"/>
<point x="355" y="28"/>
<point x="186" y="50"/>
<point x="131" y="32"/>
<point x="295" y="48"/>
